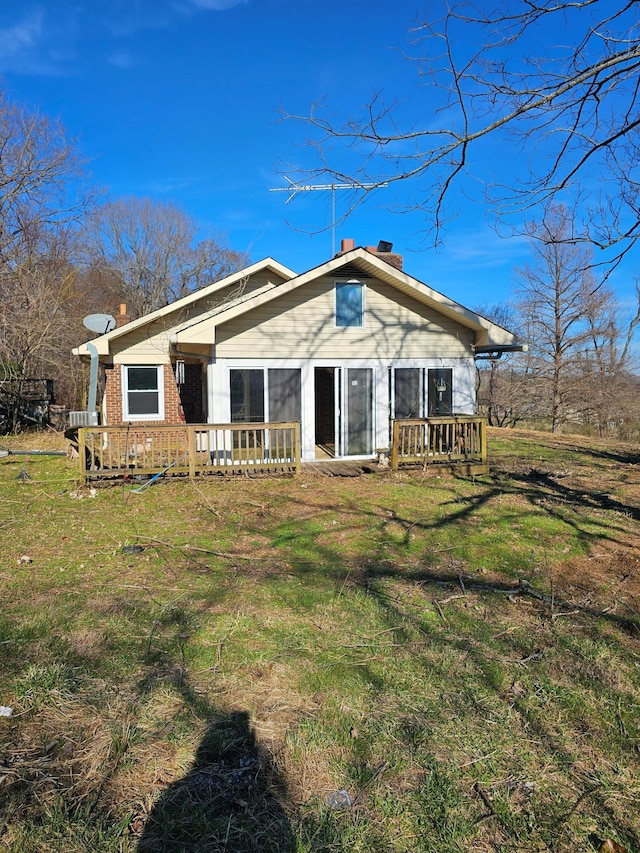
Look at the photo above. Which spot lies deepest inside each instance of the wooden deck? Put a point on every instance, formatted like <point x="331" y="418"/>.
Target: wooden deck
<point x="191" y="449"/>
<point x="341" y="467"/>
<point x="457" y="443"/>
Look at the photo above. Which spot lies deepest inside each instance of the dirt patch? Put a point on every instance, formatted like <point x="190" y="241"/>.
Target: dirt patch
<point x="608" y="580"/>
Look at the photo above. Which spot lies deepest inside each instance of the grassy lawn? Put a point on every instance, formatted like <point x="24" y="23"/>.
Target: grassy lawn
<point x="210" y="665"/>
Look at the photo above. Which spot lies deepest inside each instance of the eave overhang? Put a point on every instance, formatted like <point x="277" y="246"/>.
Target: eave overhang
<point x="103" y="342"/>
<point x="485" y="333"/>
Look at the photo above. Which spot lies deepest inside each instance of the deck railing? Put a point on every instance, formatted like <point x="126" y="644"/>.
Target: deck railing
<point x="456" y="439"/>
<point x="117" y="451"/>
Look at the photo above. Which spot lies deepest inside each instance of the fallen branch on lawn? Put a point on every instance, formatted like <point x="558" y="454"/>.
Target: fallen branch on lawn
<point x="222" y="554"/>
<point x="487" y="801"/>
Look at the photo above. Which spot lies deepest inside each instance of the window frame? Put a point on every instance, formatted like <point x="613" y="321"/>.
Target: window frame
<point x="270" y="401"/>
<point x="338" y="286"/>
<point x="420" y="396"/>
<point x="126" y="391"/>
<point x="433" y="402"/>
<point x="267" y="398"/>
<point x="249" y="394"/>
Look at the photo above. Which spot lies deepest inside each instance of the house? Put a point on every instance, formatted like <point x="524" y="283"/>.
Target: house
<point x="344" y="348"/>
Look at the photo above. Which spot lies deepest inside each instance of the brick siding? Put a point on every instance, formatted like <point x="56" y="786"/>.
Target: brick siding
<point x="173" y="412"/>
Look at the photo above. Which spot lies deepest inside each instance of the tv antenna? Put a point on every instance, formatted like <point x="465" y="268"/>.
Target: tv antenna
<point x="293" y="189"/>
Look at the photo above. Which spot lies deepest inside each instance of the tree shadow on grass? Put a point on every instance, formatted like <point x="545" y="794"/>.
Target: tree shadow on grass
<point x="231" y="799"/>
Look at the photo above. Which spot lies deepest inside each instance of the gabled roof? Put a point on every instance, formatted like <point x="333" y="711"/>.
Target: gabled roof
<point x="369" y="264"/>
<point x="267" y="264"/>
<point x="359" y="262"/>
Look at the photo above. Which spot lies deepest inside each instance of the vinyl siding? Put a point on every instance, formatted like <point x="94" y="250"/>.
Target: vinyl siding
<point x="150" y="343"/>
<point x="301" y="323"/>
<point x="143" y="346"/>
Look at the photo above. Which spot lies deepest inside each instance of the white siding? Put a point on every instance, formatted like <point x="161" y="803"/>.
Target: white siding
<point x="144" y="346"/>
<point x="302" y="323"/>
<point x="219" y="399"/>
<point x="150" y="343"/>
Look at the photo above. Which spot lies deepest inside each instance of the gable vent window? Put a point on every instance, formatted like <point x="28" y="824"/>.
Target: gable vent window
<point x="142" y="397"/>
<point x="349" y="304"/>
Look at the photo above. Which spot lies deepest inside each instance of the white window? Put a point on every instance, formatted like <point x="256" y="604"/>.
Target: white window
<point x="249" y="402"/>
<point x="349" y="304"/>
<point x="440" y="392"/>
<point x="142" y="392"/>
<point x="408" y="392"/>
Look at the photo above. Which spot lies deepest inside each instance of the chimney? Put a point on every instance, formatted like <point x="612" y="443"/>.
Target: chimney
<point x="122" y="318"/>
<point x="385" y="251"/>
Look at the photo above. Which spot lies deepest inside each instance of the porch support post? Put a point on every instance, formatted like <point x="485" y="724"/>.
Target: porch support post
<point x="297" y="445"/>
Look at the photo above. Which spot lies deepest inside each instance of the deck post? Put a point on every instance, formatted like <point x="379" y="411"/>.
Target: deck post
<point x="394" y="446"/>
<point x="191" y="444"/>
<point x="82" y="454"/>
<point x="297" y="445"/>
<point x="484" y="455"/>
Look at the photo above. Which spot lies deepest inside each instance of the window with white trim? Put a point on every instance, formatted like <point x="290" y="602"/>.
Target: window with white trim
<point x="247" y="395"/>
<point x="257" y="394"/>
<point x="408" y="392"/>
<point x="349" y="304"/>
<point x="142" y="392"/>
<point x="440" y="392"/>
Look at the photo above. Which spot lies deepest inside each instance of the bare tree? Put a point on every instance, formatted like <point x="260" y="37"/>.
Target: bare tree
<point x="504" y="388"/>
<point x="607" y="392"/>
<point x="40" y="170"/>
<point x="505" y="393"/>
<point x="36" y="319"/>
<point x="554" y="82"/>
<point x="37" y="288"/>
<point x="566" y="315"/>
<point x="151" y="249"/>
<point x="41" y="195"/>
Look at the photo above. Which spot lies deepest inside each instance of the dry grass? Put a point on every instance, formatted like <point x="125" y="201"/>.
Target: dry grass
<point x="462" y="656"/>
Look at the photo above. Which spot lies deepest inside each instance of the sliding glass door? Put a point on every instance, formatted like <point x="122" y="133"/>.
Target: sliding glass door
<point x="357" y="427"/>
<point x="344" y="411"/>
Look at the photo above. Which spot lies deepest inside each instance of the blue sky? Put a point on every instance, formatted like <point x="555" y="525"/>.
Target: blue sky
<point x="179" y="100"/>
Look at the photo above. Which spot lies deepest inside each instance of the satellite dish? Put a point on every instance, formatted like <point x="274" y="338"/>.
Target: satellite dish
<point x="99" y="323"/>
